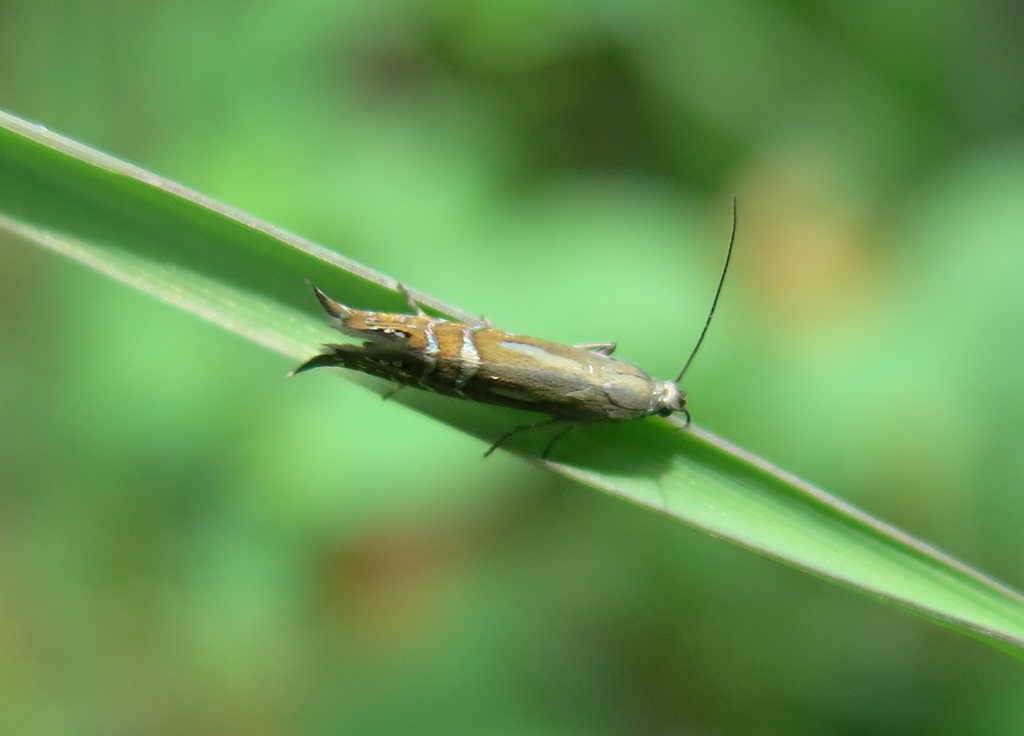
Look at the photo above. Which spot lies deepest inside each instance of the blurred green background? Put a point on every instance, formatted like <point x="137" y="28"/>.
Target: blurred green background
<point x="190" y="543"/>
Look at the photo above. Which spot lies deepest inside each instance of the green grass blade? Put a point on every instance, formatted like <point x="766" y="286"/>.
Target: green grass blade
<point x="249" y="277"/>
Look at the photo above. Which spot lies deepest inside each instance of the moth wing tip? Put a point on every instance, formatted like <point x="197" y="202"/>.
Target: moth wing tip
<point x="333" y="308"/>
<point x="320" y="360"/>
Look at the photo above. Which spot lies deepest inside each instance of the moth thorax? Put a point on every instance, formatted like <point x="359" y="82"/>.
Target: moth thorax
<point x="668" y="399"/>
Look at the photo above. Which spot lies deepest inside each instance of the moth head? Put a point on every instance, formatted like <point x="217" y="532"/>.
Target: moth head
<point x="668" y="399"/>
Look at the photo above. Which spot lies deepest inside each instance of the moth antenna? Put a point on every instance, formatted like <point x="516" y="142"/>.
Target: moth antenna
<point x="714" y="302"/>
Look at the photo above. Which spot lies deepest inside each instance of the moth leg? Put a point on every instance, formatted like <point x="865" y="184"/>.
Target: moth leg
<point x="536" y="425"/>
<point x="605" y="348"/>
<point x="419" y="310"/>
<point x="410" y="298"/>
<point x="555" y="439"/>
<point x="516" y="430"/>
<point x="388" y="394"/>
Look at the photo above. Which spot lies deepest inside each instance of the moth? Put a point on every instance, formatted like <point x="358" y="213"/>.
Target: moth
<point x="572" y="384"/>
